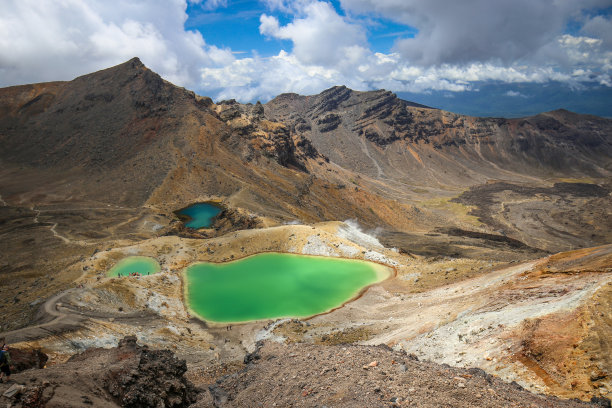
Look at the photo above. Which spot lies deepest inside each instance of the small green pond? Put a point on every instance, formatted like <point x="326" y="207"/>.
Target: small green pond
<point x="199" y="215"/>
<point x="273" y="285"/>
<point x="141" y="264"/>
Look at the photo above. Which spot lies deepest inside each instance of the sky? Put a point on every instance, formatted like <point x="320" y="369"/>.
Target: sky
<point x="510" y="54"/>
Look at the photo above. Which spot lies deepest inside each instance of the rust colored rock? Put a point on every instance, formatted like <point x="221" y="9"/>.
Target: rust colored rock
<point x="24" y="359"/>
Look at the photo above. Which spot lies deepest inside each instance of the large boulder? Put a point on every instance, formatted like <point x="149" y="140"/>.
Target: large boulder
<point x="24" y="359"/>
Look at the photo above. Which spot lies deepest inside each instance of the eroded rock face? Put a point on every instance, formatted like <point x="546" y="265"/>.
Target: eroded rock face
<point x="254" y="137"/>
<point x="127" y="376"/>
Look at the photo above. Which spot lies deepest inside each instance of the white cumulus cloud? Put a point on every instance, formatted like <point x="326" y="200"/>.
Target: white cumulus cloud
<point x="60" y="39"/>
<point x="455" y="32"/>
<point x="457" y="44"/>
<point x="320" y="37"/>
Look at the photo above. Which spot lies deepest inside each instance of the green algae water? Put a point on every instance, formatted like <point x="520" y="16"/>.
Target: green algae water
<point x="200" y="215"/>
<point x="141" y="264"/>
<point x="273" y="285"/>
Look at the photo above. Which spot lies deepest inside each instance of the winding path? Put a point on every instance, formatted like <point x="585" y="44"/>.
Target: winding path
<point x="55" y="234"/>
<point x="57" y="318"/>
<point x="62" y="319"/>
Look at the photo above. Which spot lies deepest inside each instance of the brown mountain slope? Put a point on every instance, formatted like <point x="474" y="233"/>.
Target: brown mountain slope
<point x="125" y="128"/>
<point x="387" y="138"/>
<point x="524" y="175"/>
<point x="120" y="130"/>
<point x="125" y="136"/>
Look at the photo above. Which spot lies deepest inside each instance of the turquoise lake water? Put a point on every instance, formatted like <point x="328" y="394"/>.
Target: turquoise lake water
<point x="141" y="264"/>
<point x="200" y="215"/>
<point x="274" y="285"/>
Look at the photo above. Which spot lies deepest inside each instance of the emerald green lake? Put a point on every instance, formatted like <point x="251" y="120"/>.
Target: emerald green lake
<point x="141" y="264"/>
<point x="273" y="285"/>
<point x="200" y="215"/>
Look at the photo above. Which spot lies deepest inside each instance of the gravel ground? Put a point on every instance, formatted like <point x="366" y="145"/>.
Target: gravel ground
<point x="301" y="375"/>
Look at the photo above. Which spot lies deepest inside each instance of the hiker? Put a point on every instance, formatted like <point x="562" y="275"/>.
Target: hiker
<point x="5" y="364"/>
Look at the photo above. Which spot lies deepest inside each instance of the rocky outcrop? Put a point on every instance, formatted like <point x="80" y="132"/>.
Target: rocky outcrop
<point x="228" y="110"/>
<point x="157" y="381"/>
<point x="255" y="137"/>
<point x="330" y="100"/>
<point x="329" y="122"/>
<point x="129" y="375"/>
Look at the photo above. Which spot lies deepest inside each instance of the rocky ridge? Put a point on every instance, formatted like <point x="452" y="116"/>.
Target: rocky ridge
<point x="339" y="121"/>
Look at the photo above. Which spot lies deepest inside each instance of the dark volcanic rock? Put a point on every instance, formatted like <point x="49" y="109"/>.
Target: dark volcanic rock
<point x="331" y="100"/>
<point x="157" y="381"/>
<point x="329" y="122"/>
<point x="126" y="376"/>
<point x="373" y="136"/>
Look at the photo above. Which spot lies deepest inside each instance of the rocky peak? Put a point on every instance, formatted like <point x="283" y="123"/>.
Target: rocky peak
<point x="288" y="96"/>
<point x="330" y="100"/>
<point x="124" y="72"/>
<point x="135" y="62"/>
<point x="228" y="110"/>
